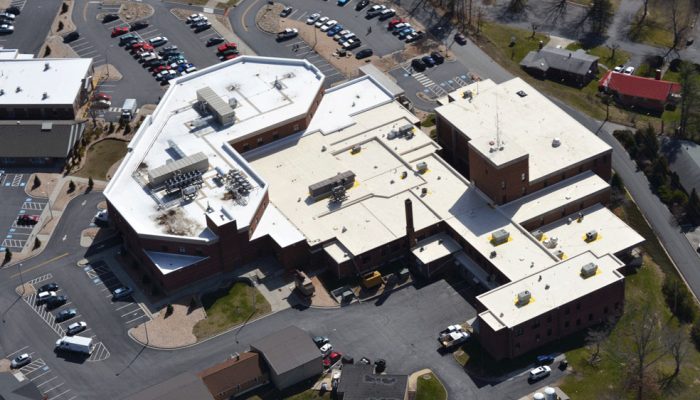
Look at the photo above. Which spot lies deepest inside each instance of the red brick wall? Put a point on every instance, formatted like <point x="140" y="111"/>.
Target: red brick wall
<point x="500" y="184"/>
<point x="536" y="222"/>
<point x="570" y="318"/>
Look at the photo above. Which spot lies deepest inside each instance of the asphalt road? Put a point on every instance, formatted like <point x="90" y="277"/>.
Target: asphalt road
<point x="31" y="26"/>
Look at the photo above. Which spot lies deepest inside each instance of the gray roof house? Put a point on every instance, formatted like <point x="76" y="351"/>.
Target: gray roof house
<point x="357" y="382"/>
<point x="290" y="355"/>
<point x="560" y="64"/>
<point x="684" y="159"/>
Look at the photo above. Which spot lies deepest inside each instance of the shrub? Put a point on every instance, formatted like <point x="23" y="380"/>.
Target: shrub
<point x="695" y="334"/>
<point x="679" y="299"/>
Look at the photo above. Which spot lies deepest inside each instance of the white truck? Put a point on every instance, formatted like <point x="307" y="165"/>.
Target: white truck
<point x="129" y="109"/>
<point x="454" y="335"/>
<point x="78" y="344"/>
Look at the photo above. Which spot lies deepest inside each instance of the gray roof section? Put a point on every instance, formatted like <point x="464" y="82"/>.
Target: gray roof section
<point x="38" y="139"/>
<point x="218" y="105"/>
<point x="357" y="382"/>
<point x="577" y="62"/>
<point x="382" y="78"/>
<point x="287" y="349"/>
<point x="684" y="159"/>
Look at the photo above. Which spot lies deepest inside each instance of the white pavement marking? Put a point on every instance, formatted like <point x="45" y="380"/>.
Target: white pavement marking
<point x="58" y="395"/>
<point x="47" y="381"/>
<point x="124" y="306"/>
<point x="99" y="353"/>
<point x="301" y="16"/>
<point x="40" y="375"/>
<point x="55" y="387"/>
<point x="135" y="319"/>
<point x="15" y="352"/>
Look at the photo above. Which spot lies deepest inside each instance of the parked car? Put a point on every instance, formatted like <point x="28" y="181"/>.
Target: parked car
<point x="201" y="26"/>
<point x="43" y="296"/>
<point x="168" y="49"/>
<point x="379" y="365"/>
<point x="226" y="46"/>
<point x="328" y="25"/>
<point x="342" y="3"/>
<point x="71" y="37"/>
<point x="110" y="18"/>
<point x="121" y="292"/>
<point x="352" y="44"/>
<point x="76" y="327"/>
<point x="361" y="4"/>
<point x="374" y="11"/>
<point x="395" y="23"/>
<point x="101" y="104"/>
<point x="335" y="29"/>
<point x="418" y="65"/>
<point x="229" y="57"/>
<point x="459" y="38"/>
<point x="313" y="18"/>
<point x="326" y="348"/>
<point x="320" y="340"/>
<point x="346" y="37"/>
<point x="538" y="373"/>
<point x="320" y="22"/>
<point x="159" y="68"/>
<point x="339" y="35"/>
<point x="439" y="59"/>
<point x="125" y="38"/>
<point x="398" y="28"/>
<point x="364" y="53"/>
<point x="66" y="314"/>
<point x="619" y="68"/>
<point x="414" y="36"/>
<point x="428" y="61"/>
<point x="6" y="28"/>
<point x="545" y="359"/>
<point x="13" y="10"/>
<point x="20" y="361"/>
<point x="195" y="18"/>
<point x="5" y="16"/>
<point x="628" y="71"/>
<point x="158" y="41"/>
<point x="286" y="34"/>
<point x="56" y="301"/>
<point x="331" y="359"/>
<point x="49" y="287"/>
<point x="139" y="25"/>
<point x="286" y="12"/>
<point x="406" y="32"/>
<point x="120" y="30"/>
<point x="386" y="14"/>
<point x="214" y="41"/>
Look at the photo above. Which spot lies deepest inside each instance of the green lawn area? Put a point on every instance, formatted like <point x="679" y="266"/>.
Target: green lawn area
<point x="501" y="36"/>
<point x="229" y="307"/>
<point x="430" y="388"/>
<point x="100" y="157"/>
<point x="300" y="391"/>
<point x="641" y="288"/>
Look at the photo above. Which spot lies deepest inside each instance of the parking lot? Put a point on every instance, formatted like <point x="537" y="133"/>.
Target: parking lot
<point x="14" y="203"/>
<point x="31" y="25"/>
<point x="49" y="383"/>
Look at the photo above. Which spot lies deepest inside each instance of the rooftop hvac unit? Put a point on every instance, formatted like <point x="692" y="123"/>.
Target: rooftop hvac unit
<point x="591" y="235"/>
<point x="325" y="187"/>
<point x="556" y="142"/>
<point x="500" y="236"/>
<point x="392" y="134"/>
<point x="406" y="129"/>
<point x="524" y="297"/>
<point x="589" y="270"/>
<point x="422" y="167"/>
<point x="559" y="254"/>
<point x="356" y="149"/>
<point x="233" y="102"/>
<point x="538" y="234"/>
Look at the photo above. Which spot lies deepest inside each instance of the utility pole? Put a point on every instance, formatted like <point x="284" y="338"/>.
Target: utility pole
<point x="21" y="280"/>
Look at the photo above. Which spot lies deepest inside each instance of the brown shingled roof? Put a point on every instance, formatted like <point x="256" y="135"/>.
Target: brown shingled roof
<point x="234" y="371"/>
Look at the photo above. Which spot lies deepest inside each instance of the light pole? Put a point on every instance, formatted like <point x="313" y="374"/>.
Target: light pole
<point x="21" y="280"/>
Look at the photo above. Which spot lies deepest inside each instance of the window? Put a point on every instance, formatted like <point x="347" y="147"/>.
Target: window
<point x="522" y="177"/>
<point x="275" y="136"/>
<point x="549" y="332"/>
<point x="578" y="306"/>
<point x="246" y="147"/>
<point x="567" y="311"/>
<point x="199" y="252"/>
<point x="503" y="184"/>
<point x="578" y="322"/>
<point x="296" y="127"/>
<point x="605" y="310"/>
<point x="545" y="184"/>
<point x="590" y="317"/>
<point x="536" y="325"/>
<point x="260" y="141"/>
<point x="537" y="338"/>
<point x="549" y="318"/>
<point x="519" y="331"/>
<point x="566" y="324"/>
<point x="365" y="259"/>
<point x="517" y="346"/>
<point x="164" y="248"/>
<point x="182" y="250"/>
<point x="522" y="190"/>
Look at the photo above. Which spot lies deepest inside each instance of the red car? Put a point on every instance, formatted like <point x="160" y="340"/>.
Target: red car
<point x="226" y="46"/>
<point x="331" y="359"/>
<point x="394" y="22"/>
<point x="230" y="56"/>
<point x="135" y="45"/>
<point x="120" y="30"/>
<point x="102" y="96"/>
<point x="160" y="68"/>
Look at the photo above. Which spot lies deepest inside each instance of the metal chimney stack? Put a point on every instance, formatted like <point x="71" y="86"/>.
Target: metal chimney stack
<point x="410" y="230"/>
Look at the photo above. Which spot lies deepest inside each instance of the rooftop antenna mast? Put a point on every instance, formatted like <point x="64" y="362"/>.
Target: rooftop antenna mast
<point x="498" y="130"/>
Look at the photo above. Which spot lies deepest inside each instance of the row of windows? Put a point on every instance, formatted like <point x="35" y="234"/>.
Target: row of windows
<point x="519" y="331"/>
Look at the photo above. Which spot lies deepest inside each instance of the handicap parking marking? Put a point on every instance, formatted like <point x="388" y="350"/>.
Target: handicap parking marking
<point x="99" y="353"/>
<point x="40" y="279"/>
<point x="33" y="366"/>
<point x="17" y="180"/>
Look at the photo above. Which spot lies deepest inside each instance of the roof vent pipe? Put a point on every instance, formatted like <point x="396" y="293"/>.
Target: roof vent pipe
<point x="47" y="66"/>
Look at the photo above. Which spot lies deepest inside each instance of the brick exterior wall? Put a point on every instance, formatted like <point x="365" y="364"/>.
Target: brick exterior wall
<point x="602" y="197"/>
<point x="561" y="322"/>
<point x="501" y="184"/>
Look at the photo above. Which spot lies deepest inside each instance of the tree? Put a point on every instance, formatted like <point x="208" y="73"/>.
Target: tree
<point x="692" y="209"/>
<point x="8" y="256"/>
<point x="676" y="344"/>
<point x="534" y="26"/>
<point x="640" y="349"/>
<point x="679" y="299"/>
<point x="695" y="334"/>
<point x="688" y="77"/>
<point x="516" y="6"/>
<point x="37" y="182"/>
<point x="644" y="13"/>
<point x="90" y="183"/>
<point x="598" y="17"/>
<point x="71" y="187"/>
<point x="556" y="10"/>
<point x="679" y="24"/>
<point x="594" y="340"/>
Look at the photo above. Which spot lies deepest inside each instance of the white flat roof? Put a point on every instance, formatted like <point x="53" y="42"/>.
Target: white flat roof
<point x="435" y="247"/>
<point x="550" y="288"/>
<point x="564" y="192"/>
<point x="25" y="81"/>
<point x="522" y="126"/>
<point x="260" y="104"/>
<point x="613" y="234"/>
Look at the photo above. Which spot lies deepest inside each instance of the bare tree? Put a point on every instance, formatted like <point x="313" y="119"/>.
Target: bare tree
<point x="556" y="10"/>
<point x="679" y="24"/>
<point x="640" y="350"/>
<point x="534" y="26"/>
<point x="516" y="6"/>
<point x="690" y="86"/>
<point x="644" y="13"/>
<point x="675" y="341"/>
<point x="594" y="341"/>
<point x="613" y="48"/>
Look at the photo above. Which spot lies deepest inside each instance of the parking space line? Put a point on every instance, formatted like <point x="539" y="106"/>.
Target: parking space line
<point x="47" y="381"/>
<point x="55" y="387"/>
<point x="302" y="16"/>
<point x="15" y="352"/>
<point x="137" y="318"/>
<point x="293" y="12"/>
<point x="124" y="306"/>
<point x="40" y="375"/>
<point x="59" y="395"/>
<point x="129" y="313"/>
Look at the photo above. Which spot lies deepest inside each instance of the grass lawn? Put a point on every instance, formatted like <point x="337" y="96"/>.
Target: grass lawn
<point x="643" y="287"/>
<point x="430" y="388"/>
<point x="100" y="157"/>
<point x="229" y="307"/>
<point x="604" y="53"/>
<point x="300" y="391"/>
<point x="495" y="40"/>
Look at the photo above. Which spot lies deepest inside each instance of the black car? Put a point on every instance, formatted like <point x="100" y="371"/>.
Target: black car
<point x="459" y="38"/>
<point x="49" y="287"/>
<point x="66" y="314"/>
<point x="437" y="57"/>
<point x="13" y="10"/>
<point x="203" y="27"/>
<point x="110" y="18"/>
<point x="56" y="301"/>
<point x="418" y="65"/>
<point x="214" y="41"/>
<point x="362" y="4"/>
<point x="71" y="37"/>
<point x="138" y="25"/>
<point x="286" y="12"/>
<point x="364" y="53"/>
<point x="428" y="61"/>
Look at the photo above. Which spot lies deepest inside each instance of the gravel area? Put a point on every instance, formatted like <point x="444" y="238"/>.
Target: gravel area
<point x="170" y="332"/>
<point x="46" y="186"/>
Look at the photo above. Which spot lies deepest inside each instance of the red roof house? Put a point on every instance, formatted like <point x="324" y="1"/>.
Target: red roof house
<point x="640" y="92"/>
